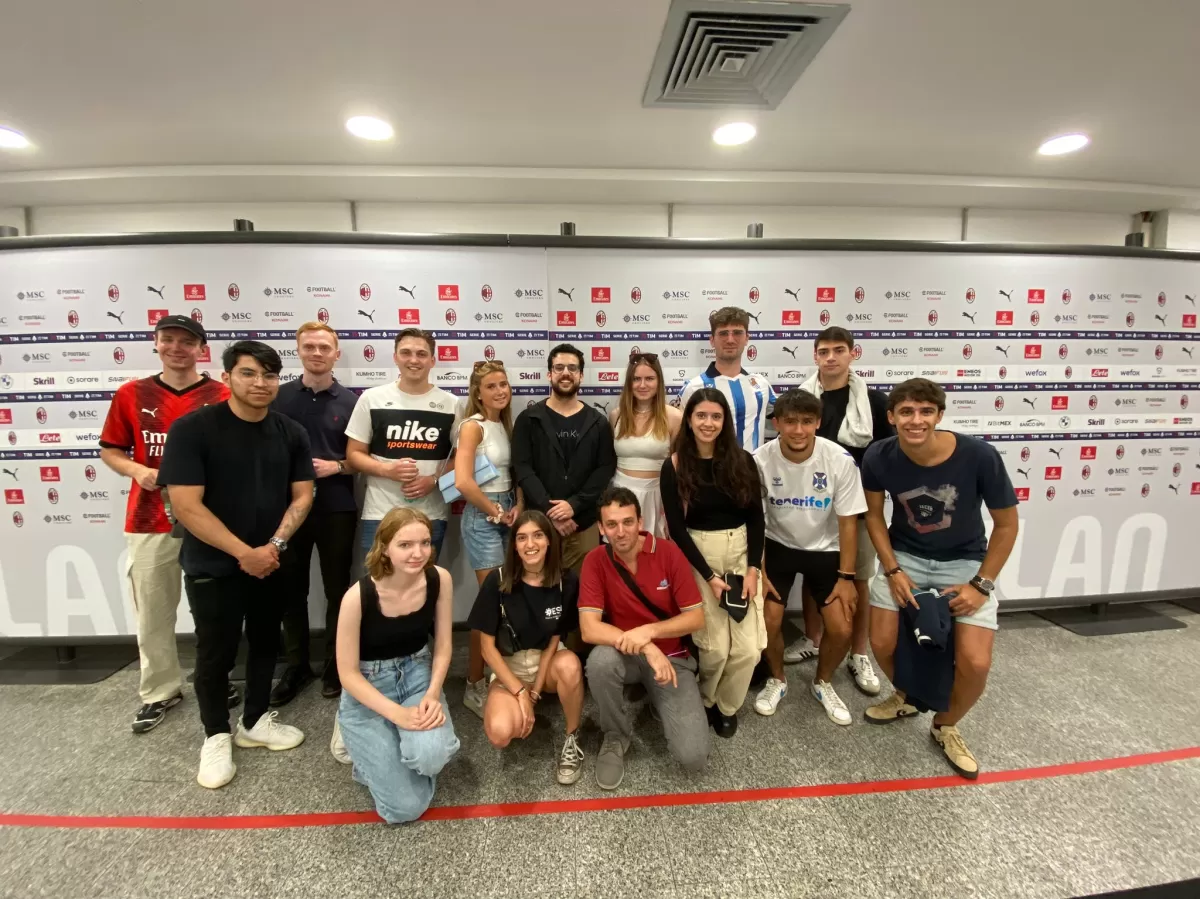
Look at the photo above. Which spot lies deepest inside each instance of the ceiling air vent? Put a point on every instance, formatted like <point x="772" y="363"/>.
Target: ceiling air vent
<point x="741" y="53"/>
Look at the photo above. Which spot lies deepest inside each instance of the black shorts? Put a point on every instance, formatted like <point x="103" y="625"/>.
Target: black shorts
<point x="819" y="570"/>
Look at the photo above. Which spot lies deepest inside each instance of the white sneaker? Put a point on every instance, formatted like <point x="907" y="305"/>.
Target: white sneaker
<point x="476" y="695"/>
<point x="768" y="697"/>
<point x="834" y="707"/>
<point x="337" y="747"/>
<point x="864" y="674"/>
<point x="216" y="762"/>
<point x="800" y="651"/>
<point x="266" y="732"/>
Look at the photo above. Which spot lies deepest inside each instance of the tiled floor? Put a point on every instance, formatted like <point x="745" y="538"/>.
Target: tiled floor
<point x="1053" y="697"/>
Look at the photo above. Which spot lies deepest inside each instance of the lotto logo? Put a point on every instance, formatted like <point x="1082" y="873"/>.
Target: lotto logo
<point x="1087" y="452"/>
<point x="1004" y="316"/>
<point x="193" y="292"/>
<point x="826" y="294"/>
<point x="447" y="354"/>
<point x="791" y="317"/>
<point x="601" y="294"/>
<point x="601" y="354"/>
<point x="1037" y="295"/>
<point x="565" y="318"/>
<point x="448" y="293"/>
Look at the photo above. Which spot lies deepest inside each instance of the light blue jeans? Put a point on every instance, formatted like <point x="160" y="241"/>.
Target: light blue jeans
<point x="929" y="574"/>
<point x="399" y="767"/>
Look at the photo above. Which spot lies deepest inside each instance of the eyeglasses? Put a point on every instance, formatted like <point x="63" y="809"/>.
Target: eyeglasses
<point x="482" y="362"/>
<point x="648" y="358"/>
<point x="255" y="377"/>
<point x="560" y="368"/>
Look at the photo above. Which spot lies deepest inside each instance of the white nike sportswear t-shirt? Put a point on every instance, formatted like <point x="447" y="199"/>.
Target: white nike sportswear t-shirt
<point x="803" y="500"/>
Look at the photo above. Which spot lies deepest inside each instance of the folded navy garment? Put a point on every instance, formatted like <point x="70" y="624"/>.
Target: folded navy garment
<point x="925" y="651"/>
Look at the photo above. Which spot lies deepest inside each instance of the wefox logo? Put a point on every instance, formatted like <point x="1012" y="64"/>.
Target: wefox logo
<point x="804" y="502"/>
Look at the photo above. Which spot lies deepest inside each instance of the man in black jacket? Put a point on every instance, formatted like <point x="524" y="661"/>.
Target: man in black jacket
<point x="563" y="457"/>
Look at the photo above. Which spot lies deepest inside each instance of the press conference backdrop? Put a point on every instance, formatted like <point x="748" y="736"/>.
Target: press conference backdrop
<point x="1079" y="369"/>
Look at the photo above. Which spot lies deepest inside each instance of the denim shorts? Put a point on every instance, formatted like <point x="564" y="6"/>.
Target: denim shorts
<point x="928" y="574"/>
<point x="485" y="542"/>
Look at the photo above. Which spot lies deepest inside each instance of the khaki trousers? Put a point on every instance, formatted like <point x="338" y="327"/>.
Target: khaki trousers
<point x="729" y="649"/>
<point x="578" y="545"/>
<point x="155" y="581"/>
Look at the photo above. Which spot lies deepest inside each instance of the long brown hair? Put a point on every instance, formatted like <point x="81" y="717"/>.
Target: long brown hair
<point x="475" y="400"/>
<point x="377" y="563"/>
<point x="514" y="567"/>
<point x="627" y="405"/>
<point x="731" y="465"/>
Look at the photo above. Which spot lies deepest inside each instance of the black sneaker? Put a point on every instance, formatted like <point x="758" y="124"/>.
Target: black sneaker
<point x="151" y="714"/>
<point x="331" y="684"/>
<point x="233" y="697"/>
<point x="292" y="682"/>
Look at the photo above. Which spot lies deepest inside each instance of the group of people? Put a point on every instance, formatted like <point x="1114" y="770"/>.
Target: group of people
<point x="706" y="524"/>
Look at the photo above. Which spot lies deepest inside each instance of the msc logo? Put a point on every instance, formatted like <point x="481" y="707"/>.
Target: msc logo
<point x="451" y="317"/>
<point x="676" y="294"/>
<point x="278" y="292"/>
<point x="489" y="316"/>
<point x="236" y="316"/>
<point x="637" y="319"/>
<point x="369" y="353"/>
<point x="529" y="294"/>
<point x="93" y="495"/>
<point x="31" y="294"/>
<point x="485" y="293"/>
<point x="898" y="295"/>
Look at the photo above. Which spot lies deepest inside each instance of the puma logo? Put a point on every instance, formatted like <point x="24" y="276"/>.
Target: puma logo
<point x="568" y="293"/>
<point x="1187" y="350"/>
<point x="790" y="351"/>
<point x="1057" y="453"/>
<point x="10" y="472"/>
<point x="1002" y="349"/>
<point x="116" y="315"/>
<point x="367" y="315"/>
<point x="1174" y="488"/>
<point x="753" y="316"/>
<point x="1023" y="472"/>
<point x="794" y="294"/>
<point x="600" y="405"/>
<point x="409" y="291"/>
<point x="1161" y="318"/>
<point x="1191" y="300"/>
<point x="970" y="315"/>
<point x="1032" y="401"/>
<point x="157" y="290"/>
<point x="1007" y="295"/>
<point x="153" y="413"/>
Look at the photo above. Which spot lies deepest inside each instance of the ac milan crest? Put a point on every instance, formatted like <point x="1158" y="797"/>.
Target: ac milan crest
<point x="1024" y="454"/>
<point x="1093" y="402"/>
<point x="234" y="292"/>
<point x="1176" y="469"/>
<point x="489" y="352"/>
<point x="18" y="519"/>
<point x="73" y="319"/>
<point x="857" y="352"/>
<point x="323" y="315"/>
<point x="752" y="352"/>
<point x="970" y="294"/>
<point x="1145" y="490"/>
<point x="114" y="293"/>
<point x="636" y="294"/>
<point x="824" y="316"/>
<point x="485" y="293"/>
<point x="1162" y="298"/>
<point x="1050" y="493"/>
<point x="999" y="404"/>
<point x="118" y="356"/>
<point x="1067" y="373"/>
<point x="932" y="317"/>
<point x="52" y="495"/>
<point x="601" y="318"/>
<point x="754" y="295"/>
<point x="1062" y="351"/>
<point x="89" y="472"/>
<point x="451" y="316"/>
<point x="364" y="291"/>
<point x="1066" y="297"/>
<point x="369" y="353"/>
<point x="1086" y="472"/>
<point x="859" y="294"/>
<point x="1035" y="317"/>
<point x="1158" y="351"/>
<point x="1183" y="402"/>
<point x="1003" y="372"/>
<point x="967" y="351"/>
<point x="1120" y="451"/>
<point x="42" y="415"/>
<point x="198" y="316"/>
<point x="1129" y="319"/>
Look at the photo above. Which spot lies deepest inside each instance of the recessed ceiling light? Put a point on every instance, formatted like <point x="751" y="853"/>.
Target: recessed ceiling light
<point x="12" y="140"/>
<point x="369" y="128"/>
<point x="1066" y="143"/>
<point x="734" y="133"/>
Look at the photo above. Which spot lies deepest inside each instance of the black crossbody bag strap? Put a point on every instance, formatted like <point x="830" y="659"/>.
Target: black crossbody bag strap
<point x="637" y="591"/>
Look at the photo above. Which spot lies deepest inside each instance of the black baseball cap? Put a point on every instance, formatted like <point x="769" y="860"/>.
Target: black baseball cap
<point x="182" y="321"/>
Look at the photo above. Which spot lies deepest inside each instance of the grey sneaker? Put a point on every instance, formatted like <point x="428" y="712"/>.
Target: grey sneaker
<point x="610" y="763"/>
<point x="476" y="695"/>
<point x="570" y="762"/>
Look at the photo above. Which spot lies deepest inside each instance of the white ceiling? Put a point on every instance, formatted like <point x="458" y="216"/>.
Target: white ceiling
<point x="920" y="102"/>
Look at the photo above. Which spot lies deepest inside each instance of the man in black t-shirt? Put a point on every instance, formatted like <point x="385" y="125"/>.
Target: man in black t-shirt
<point x="937" y="481"/>
<point x="240" y="480"/>
<point x="563" y="457"/>
<point x="854" y="417"/>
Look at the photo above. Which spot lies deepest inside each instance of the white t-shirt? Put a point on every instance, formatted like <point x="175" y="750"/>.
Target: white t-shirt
<point x="398" y="425"/>
<point x="749" y="395"/>
<point x="804" y="499"/>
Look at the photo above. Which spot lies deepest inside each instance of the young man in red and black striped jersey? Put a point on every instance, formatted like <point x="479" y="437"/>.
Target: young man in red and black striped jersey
<point x="131" y="444"/>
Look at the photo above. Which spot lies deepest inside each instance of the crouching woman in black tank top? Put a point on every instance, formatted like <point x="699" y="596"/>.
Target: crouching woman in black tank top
<point x="393" y="715"/>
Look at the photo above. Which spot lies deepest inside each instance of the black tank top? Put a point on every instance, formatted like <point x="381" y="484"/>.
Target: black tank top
<point x="392" y="637"/>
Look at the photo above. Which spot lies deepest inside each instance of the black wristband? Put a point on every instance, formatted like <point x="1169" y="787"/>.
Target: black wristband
<point x="893" y="571"/>
<point x="847" y="575"/>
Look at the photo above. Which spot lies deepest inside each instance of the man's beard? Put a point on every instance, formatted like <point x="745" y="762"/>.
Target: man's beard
<point x="564" y="394"/>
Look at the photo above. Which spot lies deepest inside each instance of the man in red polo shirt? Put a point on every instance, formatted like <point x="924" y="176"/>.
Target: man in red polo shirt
<point x="638" y="638"/>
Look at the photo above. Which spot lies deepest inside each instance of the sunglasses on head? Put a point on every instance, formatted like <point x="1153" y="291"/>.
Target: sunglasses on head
<point x="482" y="362"/>
<point x="650" y="358"/>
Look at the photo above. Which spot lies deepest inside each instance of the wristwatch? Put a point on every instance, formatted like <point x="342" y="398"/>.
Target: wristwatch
<point x="341" y="466"/>
<point x="279" y="543"/>
<point x="983" y="585"/>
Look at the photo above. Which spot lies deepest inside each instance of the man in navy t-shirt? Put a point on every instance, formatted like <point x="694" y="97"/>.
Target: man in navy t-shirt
<point x="937" y="481"/>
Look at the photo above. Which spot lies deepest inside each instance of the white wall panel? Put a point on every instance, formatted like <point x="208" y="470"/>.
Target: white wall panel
<point x="14" y="216"/>
<point x="1183" y="230"/>
<point x="135" y="218"/>
<point x="819" y="221"/>
<point x="512" y="218"/>
<point x="1039" y="226"/>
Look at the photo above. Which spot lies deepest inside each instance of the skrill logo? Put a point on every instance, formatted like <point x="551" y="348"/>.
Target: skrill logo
<point x="565" y="318"/>
<point x="447" y="353"/>
<point x="601" y="294"/>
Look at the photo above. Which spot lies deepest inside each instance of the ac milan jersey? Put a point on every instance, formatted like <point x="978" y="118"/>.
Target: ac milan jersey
<point x="138" y="420"/>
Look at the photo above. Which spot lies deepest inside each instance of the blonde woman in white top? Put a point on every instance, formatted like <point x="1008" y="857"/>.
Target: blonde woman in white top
<point x="643" y="428"/>
<point x="493" y="506"/>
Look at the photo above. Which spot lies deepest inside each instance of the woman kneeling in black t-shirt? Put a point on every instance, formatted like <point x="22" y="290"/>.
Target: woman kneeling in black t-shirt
<point x="521" y="612"/>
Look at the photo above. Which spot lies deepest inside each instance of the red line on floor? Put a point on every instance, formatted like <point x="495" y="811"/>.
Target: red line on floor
<point x="605" y="803"/>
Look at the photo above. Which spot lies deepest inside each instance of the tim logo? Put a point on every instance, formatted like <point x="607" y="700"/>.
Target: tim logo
<point x="1033" y="351"/>
<point x="606" y="377"/>
<point x="50" y="473"/>
<point x="407" y="316"/>
<point x="193" y="293"/>
<point x="1087" y="452"/>
<point x="859" y="294"/>
<point x="755" y="296"/>
<point x="1022" y="494"/>
<point x="932" y="317"/>
<point x="826" y="294"/>
<point x="485" y="293"/>
<point x="967" y="351"/>
<point x="824" y="317"/>
<point x="447" y="354"/>
<point x="234" y="292"/>
<point x="971" y="295"/>
<point x="451" y="316"/>
<point x="114" y="293"/>
<point x="364" y="291"/>
<point x="369" y="353"/>
<point x="323" y="315"/>
<point x="1004" y="316"/>
<point x="1062" y="351"/>
<point x="73" y="319"/>
<point x="448" y="293"/>
<point x="565" y="318"/>
<point x="1036" y="295"/>
<point x="752" y="352"/>
<point x="1066" y="297"/>
<point x="1059" y="403"/>
<point x="601" y="294"/>
<point x="601" y="319"/>
<point x="791" y="317"/>
<point x="601" y="354"/>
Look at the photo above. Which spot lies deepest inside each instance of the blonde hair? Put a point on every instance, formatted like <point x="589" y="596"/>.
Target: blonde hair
<point x="316" y="326"/>
<point x="377" y="564"/>
<point x="627" y="405"/>
<point x="475" y="400"/>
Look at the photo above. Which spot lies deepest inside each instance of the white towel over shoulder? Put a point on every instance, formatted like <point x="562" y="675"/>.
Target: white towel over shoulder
<point x="857" y="427"/>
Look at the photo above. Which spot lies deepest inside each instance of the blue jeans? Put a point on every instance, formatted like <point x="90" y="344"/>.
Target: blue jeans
<point x="929" y="574"/>
<point x="399" y="767"/>
<point x="485" y="542"/>
<point x="367" y="537"/>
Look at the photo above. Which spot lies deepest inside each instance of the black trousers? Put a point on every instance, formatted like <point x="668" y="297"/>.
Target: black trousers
<point x="220" y="606"/>
<point x="332" y="533"/>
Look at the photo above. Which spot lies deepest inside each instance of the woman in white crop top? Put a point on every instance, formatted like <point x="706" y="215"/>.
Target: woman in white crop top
<point x="643" y="428"/>
<point x="492" y="506"/>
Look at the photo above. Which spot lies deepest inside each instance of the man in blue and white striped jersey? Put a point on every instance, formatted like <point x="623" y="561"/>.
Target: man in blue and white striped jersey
<point x="749" y="394"/>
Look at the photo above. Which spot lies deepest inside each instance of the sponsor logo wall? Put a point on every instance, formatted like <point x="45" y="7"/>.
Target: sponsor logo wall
<point x="1081" y="370"/>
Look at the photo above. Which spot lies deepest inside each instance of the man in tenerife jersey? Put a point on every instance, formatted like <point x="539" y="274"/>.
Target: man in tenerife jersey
<point x="131" y="444"/>
<point x="813" y="500"/>
<point x="749" y="394"/>
<point x="400" y="437"/>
